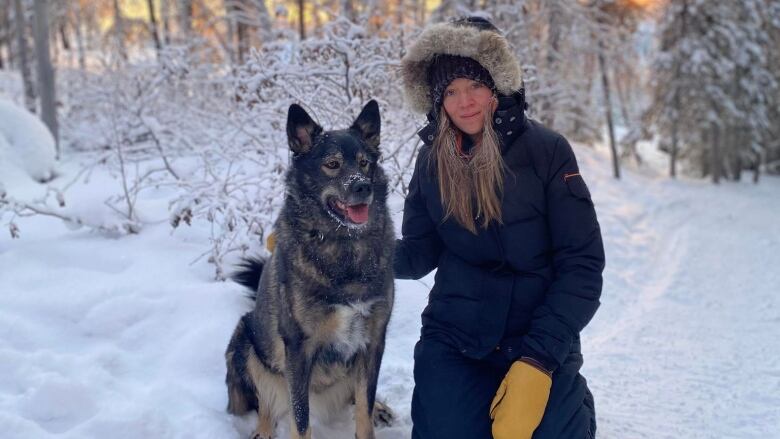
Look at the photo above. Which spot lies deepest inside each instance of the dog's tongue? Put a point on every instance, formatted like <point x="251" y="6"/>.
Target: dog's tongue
<point x="358" y="213"/>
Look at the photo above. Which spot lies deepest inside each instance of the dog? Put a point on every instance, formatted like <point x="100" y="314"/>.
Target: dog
<point x="324" y="297"/>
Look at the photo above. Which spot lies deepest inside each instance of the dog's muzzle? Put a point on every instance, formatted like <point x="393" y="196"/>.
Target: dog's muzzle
<point x="353" y="209"/>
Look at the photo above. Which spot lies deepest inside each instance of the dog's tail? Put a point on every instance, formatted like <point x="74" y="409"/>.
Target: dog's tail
<point x="248" y="274"/>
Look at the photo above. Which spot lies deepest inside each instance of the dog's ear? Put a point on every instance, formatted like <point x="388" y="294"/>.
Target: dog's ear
<point x="367" y="125"/>
<point x="301" y="130"/>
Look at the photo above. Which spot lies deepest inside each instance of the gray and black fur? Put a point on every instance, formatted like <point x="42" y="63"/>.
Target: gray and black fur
<point x="323" y="299"/>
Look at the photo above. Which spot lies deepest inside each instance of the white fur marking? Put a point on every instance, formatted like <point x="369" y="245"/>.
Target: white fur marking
<point x="352" y="335"/>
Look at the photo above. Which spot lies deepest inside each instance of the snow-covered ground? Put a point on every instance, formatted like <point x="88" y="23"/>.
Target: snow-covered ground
<point x="124" y="338"/>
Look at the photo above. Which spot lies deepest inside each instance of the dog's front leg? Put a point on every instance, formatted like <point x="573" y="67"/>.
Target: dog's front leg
<point x="364" y="427"/>
<point x="365" y="388"/>
<point x="298" y="373"/>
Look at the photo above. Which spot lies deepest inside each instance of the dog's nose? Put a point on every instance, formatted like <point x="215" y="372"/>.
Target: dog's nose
<point x="362" y="188"/>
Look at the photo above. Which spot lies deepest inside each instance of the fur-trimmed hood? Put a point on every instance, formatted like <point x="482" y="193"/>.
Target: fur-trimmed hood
<point x="487" y="47"/>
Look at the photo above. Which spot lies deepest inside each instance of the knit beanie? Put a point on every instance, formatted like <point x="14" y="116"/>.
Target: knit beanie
<point x="446" y="68"/>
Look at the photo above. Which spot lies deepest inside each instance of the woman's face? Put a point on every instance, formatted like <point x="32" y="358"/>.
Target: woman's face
<point x="465" y="102"/>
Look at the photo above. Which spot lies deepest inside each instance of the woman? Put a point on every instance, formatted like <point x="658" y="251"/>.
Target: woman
<point x="497" y="203"/>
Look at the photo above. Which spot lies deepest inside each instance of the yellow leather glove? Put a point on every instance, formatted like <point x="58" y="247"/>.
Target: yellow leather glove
<point x="270" y="243"/>
<point x="519" y="404"/>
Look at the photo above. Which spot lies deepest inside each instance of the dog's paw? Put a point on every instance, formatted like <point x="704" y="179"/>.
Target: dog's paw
<point x="258" y="435"/>
<point x="383" y="416"/>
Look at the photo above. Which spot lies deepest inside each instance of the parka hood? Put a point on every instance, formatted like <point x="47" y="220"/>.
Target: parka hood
<point x="486" y="46"/>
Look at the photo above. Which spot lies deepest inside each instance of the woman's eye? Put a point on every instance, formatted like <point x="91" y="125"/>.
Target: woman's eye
<point x="477" y="85"/>
<point x="333" y="164"/>
<point x="449" y="93"/>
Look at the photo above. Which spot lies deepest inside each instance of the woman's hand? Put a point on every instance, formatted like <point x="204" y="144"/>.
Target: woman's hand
<point x="270" y="243"/>
<point x="519" y="404"/>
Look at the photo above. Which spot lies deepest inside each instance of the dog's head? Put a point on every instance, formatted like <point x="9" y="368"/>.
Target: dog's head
<point x="339" y="168"/>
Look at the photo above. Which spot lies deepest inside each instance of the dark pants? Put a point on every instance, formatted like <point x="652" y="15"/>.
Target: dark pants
<point x="452" y="395"/>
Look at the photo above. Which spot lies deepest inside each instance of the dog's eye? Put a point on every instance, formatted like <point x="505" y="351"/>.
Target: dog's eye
<point x="363" y="163"/>
<point x="333" y="164"/>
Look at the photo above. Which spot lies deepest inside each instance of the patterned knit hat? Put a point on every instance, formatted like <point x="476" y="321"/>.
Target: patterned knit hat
<point x="446" y="68"/>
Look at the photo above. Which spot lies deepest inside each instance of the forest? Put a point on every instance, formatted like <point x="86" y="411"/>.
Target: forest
<point x="190" y="95"/>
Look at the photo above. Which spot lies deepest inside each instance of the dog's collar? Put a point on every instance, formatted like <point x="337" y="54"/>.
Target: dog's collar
<point x="304" y="232"/>
<point x="316" y="234"/>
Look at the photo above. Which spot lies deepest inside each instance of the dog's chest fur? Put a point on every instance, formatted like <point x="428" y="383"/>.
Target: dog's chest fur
<point x="350" y="331"/>
<point x="347" y="261"/>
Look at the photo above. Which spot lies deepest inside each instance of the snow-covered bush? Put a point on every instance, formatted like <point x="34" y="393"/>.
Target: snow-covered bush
<point x="333" y="77"/>
<point x="213" y="138"/>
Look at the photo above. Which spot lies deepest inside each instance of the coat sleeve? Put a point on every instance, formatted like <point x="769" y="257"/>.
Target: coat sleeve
<point x="417" y="252"/>
<point x="577" y="254"/>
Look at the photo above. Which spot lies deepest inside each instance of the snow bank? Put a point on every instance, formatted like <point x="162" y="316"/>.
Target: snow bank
<point x="25" y="143"/>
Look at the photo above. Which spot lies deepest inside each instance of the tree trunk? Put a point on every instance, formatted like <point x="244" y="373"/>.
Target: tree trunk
<point x="53" y="46"/>
<point x="65" y="25"/>
<point x="264" y="19"/>
<point x="21" y="51"/>
<point x="77" y="22"/>
<point x="418" y="11"/>
<point x="705" y="158"/>
<point x="119" y="31"/>
<point x="675" y="141"/>
<point x="166" y="20"/>
<point x="5" y="32"/>
<point x="622" y="94"/>
<point x="736" y="142"/>
<point x="608" y="111"/>
<point x="580" y="128"/>
<point x="153" y="27"/>
<point x="45" y="70"/>
<point x="64" y="34"/>
<point x="716" y="160"/>
<point x="185" y="19"/>
<point x="551" y="50"/>
<point x="348" y="10"/>
<point x="242" y="33"/>
<point x="239" y="24"/>
<point x="9" y="34"/>
<point x="231" y="46"/>
<point x="317" y="22"/>
<point x="757" y="166"/>
<point x="301" y="15"/>
<point x="400" y="12"/>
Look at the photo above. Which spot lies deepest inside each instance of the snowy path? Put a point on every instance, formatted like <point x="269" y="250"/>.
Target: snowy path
<point x="122" y="338"/>
<point x="686" y="342"/>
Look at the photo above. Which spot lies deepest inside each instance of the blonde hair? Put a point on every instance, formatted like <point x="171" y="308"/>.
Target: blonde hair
<point x="471" y="186"/>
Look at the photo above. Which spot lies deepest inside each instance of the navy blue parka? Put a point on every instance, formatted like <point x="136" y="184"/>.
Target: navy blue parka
<point x="527" y="286"/>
